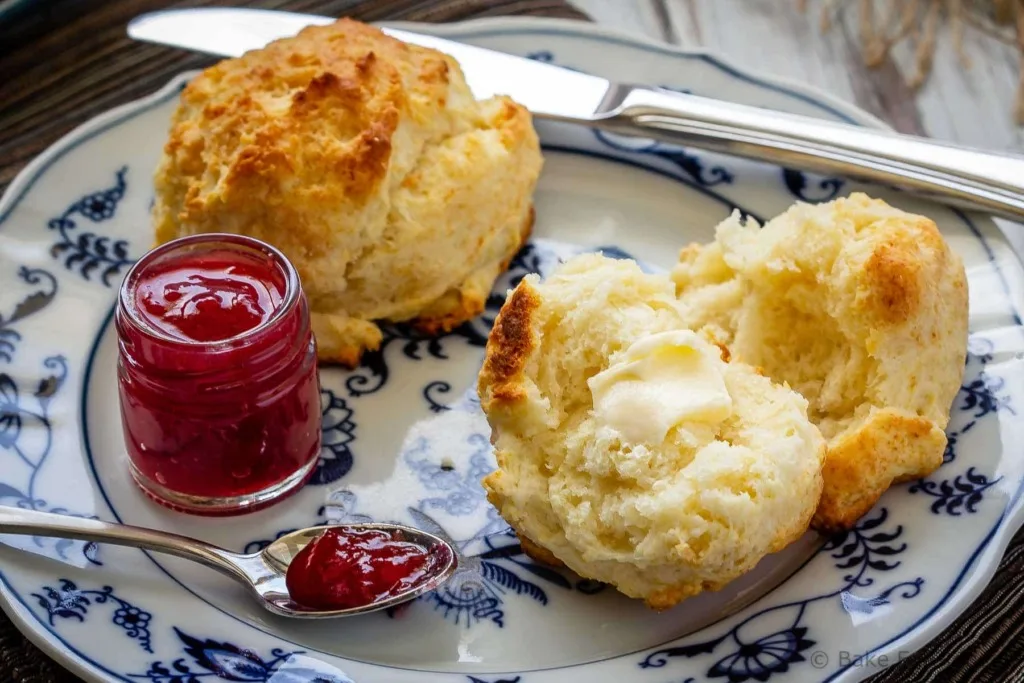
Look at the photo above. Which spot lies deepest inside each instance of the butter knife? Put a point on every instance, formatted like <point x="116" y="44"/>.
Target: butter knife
<point x="955" y="174"/>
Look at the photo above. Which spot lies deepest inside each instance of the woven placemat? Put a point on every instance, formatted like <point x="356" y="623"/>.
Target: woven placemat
<point x="70" y="60"/>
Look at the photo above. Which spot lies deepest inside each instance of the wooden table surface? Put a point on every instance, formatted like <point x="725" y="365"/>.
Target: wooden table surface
<point x="972" y="106"/>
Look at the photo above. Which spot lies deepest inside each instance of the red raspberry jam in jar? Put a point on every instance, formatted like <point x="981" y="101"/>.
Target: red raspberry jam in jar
<point x="217" y="375"/>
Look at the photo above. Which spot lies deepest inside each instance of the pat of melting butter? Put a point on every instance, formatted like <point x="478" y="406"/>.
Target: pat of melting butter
<point x="657" y="383"/>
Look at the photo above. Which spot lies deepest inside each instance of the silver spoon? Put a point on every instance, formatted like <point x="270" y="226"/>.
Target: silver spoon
<point x="262" y="572"/>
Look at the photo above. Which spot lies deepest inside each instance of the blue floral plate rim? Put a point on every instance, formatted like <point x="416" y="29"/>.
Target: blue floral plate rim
<point x="927" y="627"/>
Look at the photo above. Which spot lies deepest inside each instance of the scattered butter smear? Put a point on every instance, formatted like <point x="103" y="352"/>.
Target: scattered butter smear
<point x="658" y="382"/>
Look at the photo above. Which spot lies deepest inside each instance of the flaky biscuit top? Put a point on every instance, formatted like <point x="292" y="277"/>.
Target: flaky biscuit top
<point x="368" y="162"/>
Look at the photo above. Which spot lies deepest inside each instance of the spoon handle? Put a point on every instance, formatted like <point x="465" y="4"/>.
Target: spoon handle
<point x="30" y="522"/>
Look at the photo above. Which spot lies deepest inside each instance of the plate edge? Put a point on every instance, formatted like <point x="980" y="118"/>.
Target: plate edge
<point x="1002" y="533"/>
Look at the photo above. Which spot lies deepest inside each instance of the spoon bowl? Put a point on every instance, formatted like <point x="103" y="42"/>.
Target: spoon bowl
<point x="277" y="557"/>
<point x="263" y="573"/>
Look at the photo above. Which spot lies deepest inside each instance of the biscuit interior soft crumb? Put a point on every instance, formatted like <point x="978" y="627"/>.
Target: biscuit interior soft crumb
<point x="862" y="309"/>
<point x="661" y="520"/>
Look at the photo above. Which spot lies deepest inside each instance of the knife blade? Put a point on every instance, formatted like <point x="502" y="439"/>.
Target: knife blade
<point x="959" y="175"/>
<point x="230" y="32"/>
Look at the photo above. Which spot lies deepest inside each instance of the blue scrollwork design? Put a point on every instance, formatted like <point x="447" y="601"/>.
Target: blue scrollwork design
<point x="82" y="251"/>
<point x="755" y="655"/>
<point x="477" y="594"/>
<point x="953" y="439"/>
<point x="979" y="350"/>
<point x="983" y="393"/>
<point x="864" y="548"/>
<point x="68" y="601"/>
<point x="478" y="591"/>
<point x="25" y="410"/>
<point x="688" y="163"/>
<point x="208" y="658"/>
<point x="761" y="659"/>
<point x="460" y="492"/>
<point x="46" y="290"/>
<point x="981" y="396"/>
<point x="430" y="394"/>
<point x="16" y="415"/>
<point x="373" y="372"/>
<point x="336" y="445"/>
<point x="513" y="552"/>
<point x="825" y="189"/>
<point x="474" y="679"/>
<point x="958" y="495"/>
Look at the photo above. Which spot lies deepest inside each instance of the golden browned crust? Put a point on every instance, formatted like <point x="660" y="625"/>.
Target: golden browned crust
<point x="345" y="355"/>
<point x="508" y="347"/>
<point x="395" y="194"/>
<point x="343" y="96"/>
<point x="893" y="277"/>
<point x="343" y="340"/>
<point x="468" y="306"/>
<point x="916" y="289"/>
<point x="470" y="302"/>
<point x="895" y="273"/>
<point x="861" y="465"/>
<point x="538" y="553"/>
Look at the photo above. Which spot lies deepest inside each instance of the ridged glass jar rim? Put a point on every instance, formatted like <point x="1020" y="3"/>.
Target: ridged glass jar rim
<point x="208" y="241"/>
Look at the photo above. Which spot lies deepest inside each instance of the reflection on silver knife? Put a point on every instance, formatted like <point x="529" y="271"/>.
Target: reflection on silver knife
<point x="958" y="175"/>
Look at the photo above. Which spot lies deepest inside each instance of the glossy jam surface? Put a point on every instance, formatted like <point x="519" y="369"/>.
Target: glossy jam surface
<point x="217" y="376"/>
<point x="209" y="298"/>
<point x="345" y="568"/>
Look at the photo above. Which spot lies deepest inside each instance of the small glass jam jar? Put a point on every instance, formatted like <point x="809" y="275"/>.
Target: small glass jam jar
<point x="217" y="375"/>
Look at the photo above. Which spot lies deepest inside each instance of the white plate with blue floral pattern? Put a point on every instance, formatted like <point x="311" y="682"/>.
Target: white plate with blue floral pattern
<point x="405" y="430"/>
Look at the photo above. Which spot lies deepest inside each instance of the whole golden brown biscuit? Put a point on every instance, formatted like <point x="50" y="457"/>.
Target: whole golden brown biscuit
<point x="860" y="307"/>
<point x="368" y="162"/>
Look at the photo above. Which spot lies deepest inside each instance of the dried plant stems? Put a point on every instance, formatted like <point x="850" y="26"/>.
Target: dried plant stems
<point x="920" y="22"/>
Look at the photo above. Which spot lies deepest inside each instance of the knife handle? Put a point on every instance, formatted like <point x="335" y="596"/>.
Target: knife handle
<point x="957" y="175"/>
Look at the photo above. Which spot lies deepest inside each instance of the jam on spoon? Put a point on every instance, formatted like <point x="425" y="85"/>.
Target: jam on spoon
<point x="265" y="573"/>
<point x="345" y="568"/>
